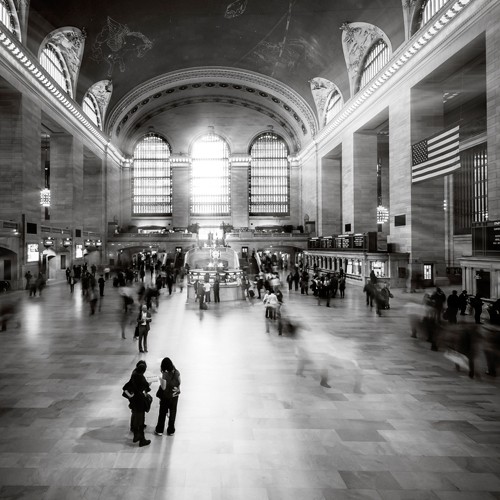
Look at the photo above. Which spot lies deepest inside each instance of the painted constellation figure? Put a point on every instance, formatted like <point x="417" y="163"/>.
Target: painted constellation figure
<point x="236" y="9"/>
<point x="115" y="42"/>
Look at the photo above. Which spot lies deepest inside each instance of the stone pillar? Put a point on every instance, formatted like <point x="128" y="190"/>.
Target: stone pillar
<point x="427" y="213"/>
<point x="364" y="182"/>
<point x="493" y="116"/>
<point x="239" y="190"/>
<point x="20" y="167"/>
<point x="180" y="190"/>
<point x="93" y="194"/>
<point x="66" y="181"/>
<point x="330" y="211"/>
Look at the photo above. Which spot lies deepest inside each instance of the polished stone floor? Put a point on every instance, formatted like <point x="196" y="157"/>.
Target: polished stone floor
<point x="397" y="422"/>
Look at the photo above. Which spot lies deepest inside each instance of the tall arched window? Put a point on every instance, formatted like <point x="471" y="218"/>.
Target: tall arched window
<point x="55" y="65"/>
<point x="91" y="109"/>
<point x="269" y="183"/>
<point x="333" y="105"/>
<point x="376" y="58"/>
<point x="210" y="181"/>
<point x="152" y="178"/>
<point x="7" y="17"/>
<point x="429" y="10"/>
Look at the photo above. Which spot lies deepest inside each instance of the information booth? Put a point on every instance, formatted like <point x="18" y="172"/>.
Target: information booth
<point x="206" y="264"/>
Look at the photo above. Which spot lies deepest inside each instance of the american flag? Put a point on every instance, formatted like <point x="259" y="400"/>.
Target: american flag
<point x="436" y="155"/>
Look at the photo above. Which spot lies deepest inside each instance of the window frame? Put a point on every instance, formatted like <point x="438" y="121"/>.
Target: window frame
<point x="221" y="199"/>
<point x="59" y="66"/>
<point x="368" y="63"/>
<point x="155" y="199"/>
<point x="281" y="194"/>
<point x="95" y="110"/>
<point x="13" y="22"/>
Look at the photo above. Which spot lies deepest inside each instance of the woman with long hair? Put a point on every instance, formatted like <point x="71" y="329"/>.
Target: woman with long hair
<point x="168" y="393"/>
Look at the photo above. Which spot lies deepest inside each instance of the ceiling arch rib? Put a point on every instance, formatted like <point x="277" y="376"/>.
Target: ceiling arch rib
<point x="136" y="127"/>
<point x="264" y="95"/>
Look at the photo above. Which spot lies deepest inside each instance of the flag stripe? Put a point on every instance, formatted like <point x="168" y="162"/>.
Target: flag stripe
<point x="452" y="161"/>
<point x="444" y="172"/>
<point x="436" y="156"/>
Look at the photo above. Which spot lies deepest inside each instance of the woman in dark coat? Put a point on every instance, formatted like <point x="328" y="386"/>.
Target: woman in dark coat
<point x="169" y="396"/>
<point x="137" y="387"/>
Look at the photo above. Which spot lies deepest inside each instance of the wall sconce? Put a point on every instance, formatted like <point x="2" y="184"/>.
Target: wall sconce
<point x="98" y="243"/>
<point x="48" y="242"/>
<point x="88" y="243"/>
<point x="67" y="242"/>
<point x="45" y="197"/>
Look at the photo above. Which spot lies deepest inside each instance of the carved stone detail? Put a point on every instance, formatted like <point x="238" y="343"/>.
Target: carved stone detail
<point x="229" y="75"/>
<point x="71" y="42"/>
<point x="321" y="89"/>
<point x="357" y="38"/>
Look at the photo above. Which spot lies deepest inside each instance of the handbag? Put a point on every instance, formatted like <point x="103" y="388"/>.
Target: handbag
<point x="159" y="393"/>
<point x="148" y="400"/>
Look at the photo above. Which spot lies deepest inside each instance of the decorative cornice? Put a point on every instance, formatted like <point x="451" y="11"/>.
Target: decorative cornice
<point x="399" y="60"/>
<point x="16" y="58"/>
<point x="245" y="80"/>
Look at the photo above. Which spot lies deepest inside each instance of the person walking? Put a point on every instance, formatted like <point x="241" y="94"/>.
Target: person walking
<point x="136" y="389"/>
<point x="143" y="321"/>
<point x="453" y="304"/>
<point x="477" y="305"/>
<point x="168" y="393"/>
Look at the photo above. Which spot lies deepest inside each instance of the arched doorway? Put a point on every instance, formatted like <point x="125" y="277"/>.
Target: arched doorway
<point x="8" y="269"/>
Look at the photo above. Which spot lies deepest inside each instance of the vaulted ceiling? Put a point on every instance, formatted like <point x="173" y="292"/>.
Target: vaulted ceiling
<point x="243" y="66"/>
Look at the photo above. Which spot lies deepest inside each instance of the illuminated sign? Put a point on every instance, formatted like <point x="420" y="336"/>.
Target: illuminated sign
<point x="32" y="254"/>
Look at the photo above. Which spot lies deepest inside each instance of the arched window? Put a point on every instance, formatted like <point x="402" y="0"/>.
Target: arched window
<point x="91" y="109"/>
<point x="7" y="17"/>
<point x="429" y="10"/>
<point x="333" y="105"/>
<point x="210" y="182"/>
<point x="55" y="65"/>
<point x="376" y="58"/>
<point x="269" y="176"/>
<point x="152" y="178"/>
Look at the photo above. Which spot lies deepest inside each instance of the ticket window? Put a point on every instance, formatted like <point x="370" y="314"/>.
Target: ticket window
<point x="378" y="267"/>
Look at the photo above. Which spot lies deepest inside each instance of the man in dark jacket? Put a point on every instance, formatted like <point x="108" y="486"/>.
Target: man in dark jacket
<point x="453" y="304"/>
<point x="136" y="388"/>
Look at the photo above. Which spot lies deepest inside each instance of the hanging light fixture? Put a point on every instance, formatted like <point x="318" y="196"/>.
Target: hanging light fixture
<point x="45" y="197"/>
<point x="382" y="214"/>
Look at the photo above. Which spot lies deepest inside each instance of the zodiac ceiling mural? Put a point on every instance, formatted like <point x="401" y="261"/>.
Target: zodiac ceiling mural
<point x="116" y="42"/>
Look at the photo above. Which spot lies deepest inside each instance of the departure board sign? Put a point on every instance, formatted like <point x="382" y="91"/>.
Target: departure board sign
<point x="358" y="241"/>
<point x="486" y="238"/>
<point x="493" y="236"/>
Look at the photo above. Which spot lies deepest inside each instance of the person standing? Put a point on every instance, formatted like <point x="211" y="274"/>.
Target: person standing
<point x="477" y="305"/>
<point x="463" y="299"/>
<point x="72" y="283"/>
<point x="168" y="393"/>
<point x="28" y="277"/>
<point x="136" y="388"/>
<point x="143" y="321"/>
<point x="101" y="283"/>
<point x="206" y="288"/>
<point x="453" y="304"/>
<point x="342" y="287"/>
<point x="216" y="289"/>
